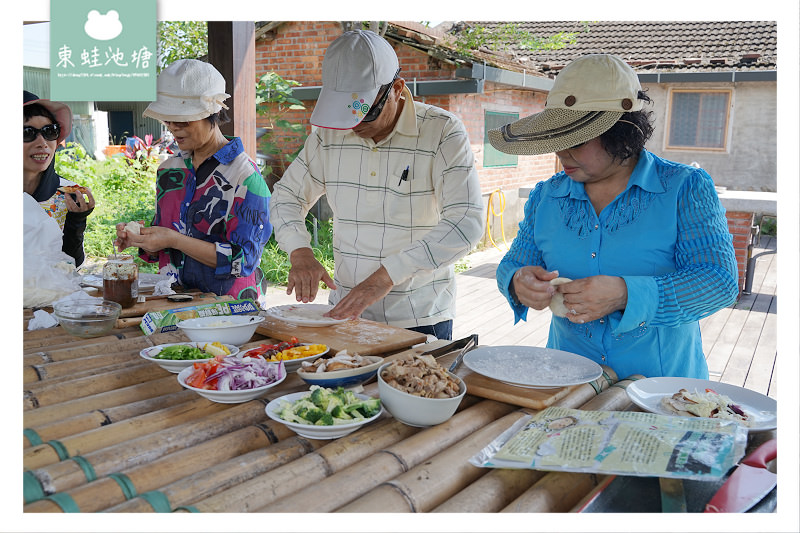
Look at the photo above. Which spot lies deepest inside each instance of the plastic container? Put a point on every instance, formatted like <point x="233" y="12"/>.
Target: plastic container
<point x="87" y="319"/>
<point x="121" y="280"/>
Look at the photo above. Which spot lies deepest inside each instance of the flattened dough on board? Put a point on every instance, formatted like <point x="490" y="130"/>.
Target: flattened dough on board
<point x="557" y="301"/>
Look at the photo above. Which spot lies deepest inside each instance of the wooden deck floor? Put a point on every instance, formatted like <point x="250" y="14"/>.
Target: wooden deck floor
<point x="740" y="341"/>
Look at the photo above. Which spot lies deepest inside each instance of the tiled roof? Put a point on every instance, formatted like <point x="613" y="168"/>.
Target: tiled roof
<point x="674" y="46"/>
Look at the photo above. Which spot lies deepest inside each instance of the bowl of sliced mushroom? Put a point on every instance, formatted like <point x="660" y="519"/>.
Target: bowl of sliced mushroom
<point x="418" y="391"/>
<point x="340" y="370"/>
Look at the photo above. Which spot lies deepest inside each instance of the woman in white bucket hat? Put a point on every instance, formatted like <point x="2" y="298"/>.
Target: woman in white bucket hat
<point x="644" y="240"/>
<point x="212" y="214"/>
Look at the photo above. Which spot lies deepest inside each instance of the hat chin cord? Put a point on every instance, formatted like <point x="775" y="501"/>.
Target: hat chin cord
<point x="632" y="124"/>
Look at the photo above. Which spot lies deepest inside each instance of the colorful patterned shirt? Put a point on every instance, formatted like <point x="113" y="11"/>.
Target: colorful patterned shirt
<point x="53" y="201"/>
<point x="666" y="235"/>
<point x="225" y="201"/>
<point x="411" y="202"/>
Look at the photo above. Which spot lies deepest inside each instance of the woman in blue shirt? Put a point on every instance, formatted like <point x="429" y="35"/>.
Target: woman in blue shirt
<point x="643" y="239"/>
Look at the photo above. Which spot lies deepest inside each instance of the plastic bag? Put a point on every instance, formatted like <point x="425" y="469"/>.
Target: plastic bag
<point x="618" y="442"/>
<point x="48" y="273"/>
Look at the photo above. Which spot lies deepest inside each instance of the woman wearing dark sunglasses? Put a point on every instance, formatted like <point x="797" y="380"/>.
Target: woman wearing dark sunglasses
<point x="45" y="125"/>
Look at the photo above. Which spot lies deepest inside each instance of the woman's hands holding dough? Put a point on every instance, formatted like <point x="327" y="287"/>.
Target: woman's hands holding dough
<point x="579" y="301"/>
<point x="531" y="284"/>
<point x="587" y="299"/>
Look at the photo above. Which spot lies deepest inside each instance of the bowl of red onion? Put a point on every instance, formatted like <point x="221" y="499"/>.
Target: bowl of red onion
<point x="232" y="379"/>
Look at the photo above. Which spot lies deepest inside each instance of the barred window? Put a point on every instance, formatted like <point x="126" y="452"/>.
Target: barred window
<point x="699" y="119"/>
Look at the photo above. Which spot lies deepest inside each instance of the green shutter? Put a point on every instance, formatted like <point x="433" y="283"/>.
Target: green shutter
<point x="491" y="156"/>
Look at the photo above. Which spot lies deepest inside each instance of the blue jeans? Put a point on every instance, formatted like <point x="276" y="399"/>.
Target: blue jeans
<point x="442" y="330"/>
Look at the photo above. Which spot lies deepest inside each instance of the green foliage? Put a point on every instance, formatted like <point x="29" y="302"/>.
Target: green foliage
<point x="274" y="100"/>
<point x="123" y="190"/>
<point x="769" y="226"/>
<point x="181" y="40"/>
<point x="504" y="36"/>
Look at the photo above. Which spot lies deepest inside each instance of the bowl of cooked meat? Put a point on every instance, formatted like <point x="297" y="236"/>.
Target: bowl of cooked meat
<point x="418" y="391"/>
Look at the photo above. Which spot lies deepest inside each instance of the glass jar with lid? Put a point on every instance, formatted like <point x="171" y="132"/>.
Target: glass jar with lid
<point x="121" y="280"/>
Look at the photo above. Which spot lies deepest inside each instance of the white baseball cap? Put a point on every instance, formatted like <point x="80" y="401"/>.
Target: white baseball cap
<point x="355" y="67"/>
<point x="187" y="90"/>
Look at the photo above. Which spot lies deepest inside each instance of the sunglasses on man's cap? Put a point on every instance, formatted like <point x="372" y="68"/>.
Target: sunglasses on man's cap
<point x="49" y="132"/>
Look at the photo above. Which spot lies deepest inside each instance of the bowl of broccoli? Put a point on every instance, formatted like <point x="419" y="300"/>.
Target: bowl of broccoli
<point x="323" y="413"/>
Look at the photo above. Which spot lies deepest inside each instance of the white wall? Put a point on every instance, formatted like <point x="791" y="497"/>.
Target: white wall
<point x="750" y="163"/>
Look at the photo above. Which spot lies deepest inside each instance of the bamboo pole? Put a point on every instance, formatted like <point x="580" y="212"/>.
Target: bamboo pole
<point x="492" y="492"/>
<point x="73" y="367"/>
<point x="66" y="475"/>
<point x="106" y="492"/>
<point x="38" y="394"/>
<point x="311" y="468"/>
<point x="583" y="393"/>
<point x="56" y="337"/>
<point x="87" y="347"/>
<point x="222" y="476"/>
<point x="432" y="482"/>
<point x="614" y="399"/>
<point x="37" y="416"/>
<point x="556" y="492"/>
<point x="105" y="436"/>
<point x="77" y="424"/>
<point x="352" y="481"/>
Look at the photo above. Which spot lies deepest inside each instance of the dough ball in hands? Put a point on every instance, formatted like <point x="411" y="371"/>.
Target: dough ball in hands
<point x="557" y="301"/>
<point x="133" y="227"/>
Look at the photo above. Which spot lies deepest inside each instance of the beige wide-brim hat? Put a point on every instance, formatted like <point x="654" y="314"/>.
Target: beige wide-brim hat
<point x="187" y="90"/>
<point x="588" y="97"/>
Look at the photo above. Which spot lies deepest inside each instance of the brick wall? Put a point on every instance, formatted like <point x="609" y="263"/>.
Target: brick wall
<point x="740" y="224"/>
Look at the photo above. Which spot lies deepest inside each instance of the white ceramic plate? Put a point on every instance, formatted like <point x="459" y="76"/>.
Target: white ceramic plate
<point x="147" y="281"/>
<point x="304" y="314"/>
<point x="293" y="364"/>
<point x="647" y="394"/>
<point x="315" y="432"/>
<point x="176" y="365"/>
<point x="238" y="396"/>
<point x="532" y="367"/>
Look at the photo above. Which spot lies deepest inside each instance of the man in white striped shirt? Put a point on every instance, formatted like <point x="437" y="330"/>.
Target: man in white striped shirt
<point x="400" y="178"/>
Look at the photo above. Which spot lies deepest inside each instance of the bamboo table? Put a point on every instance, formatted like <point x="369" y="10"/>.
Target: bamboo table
<point x="107" y="431"/>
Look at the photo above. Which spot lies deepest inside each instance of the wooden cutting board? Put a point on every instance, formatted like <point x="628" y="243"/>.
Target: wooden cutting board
<point x="492" y="389"/>
<point x="489" y="388"/>
<point x="140" y="309"/>
<point x="361" y="336"/>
